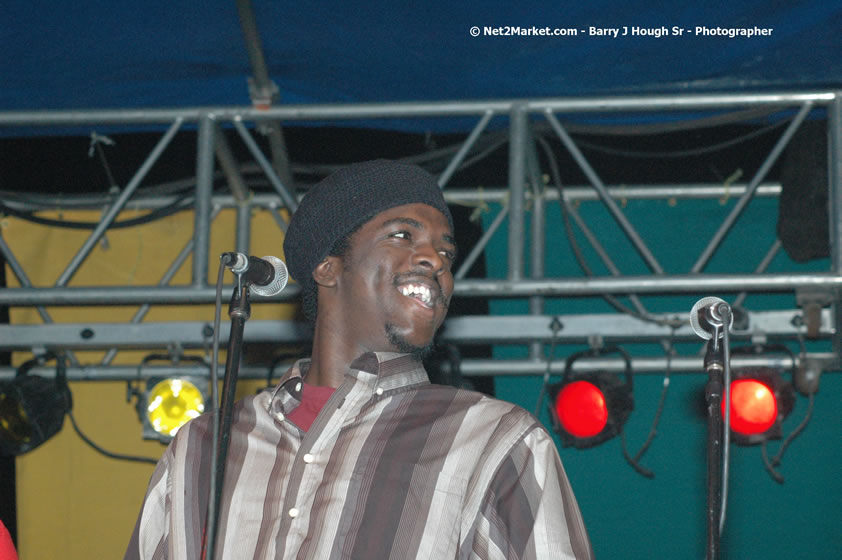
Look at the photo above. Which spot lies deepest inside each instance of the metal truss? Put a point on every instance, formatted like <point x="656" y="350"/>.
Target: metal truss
<point x="524" y="195"/>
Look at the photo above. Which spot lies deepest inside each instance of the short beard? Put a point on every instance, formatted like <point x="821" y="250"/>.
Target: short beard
<point x="404" y="346"/>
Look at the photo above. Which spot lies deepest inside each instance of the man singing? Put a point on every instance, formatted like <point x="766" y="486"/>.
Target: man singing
<point x="354" y="454"/>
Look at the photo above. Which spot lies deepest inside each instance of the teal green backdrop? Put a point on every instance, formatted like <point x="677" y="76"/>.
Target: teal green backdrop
<point x="629" y="516"/>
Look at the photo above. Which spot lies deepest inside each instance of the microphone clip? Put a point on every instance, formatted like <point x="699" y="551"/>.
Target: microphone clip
<point x="714" y="356"/>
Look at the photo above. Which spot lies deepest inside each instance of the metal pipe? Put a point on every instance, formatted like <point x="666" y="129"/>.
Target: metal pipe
<point x="690" y="191"/>
<point x="463" y="150"/>
<point x="229" y="166"/>
<point x="477" y="250"/>
<point x="687" y="284"/>
<point x="640" y="365"/>
<point x="764" y="264"/>
<point x="289" y="200"/>
<point x="263" y="90"/>
<point x="746" y="197"/>
<point x="204" y="190"/>
<point x="679" y="284"/>
<point x="254" y="46"/>
<point x="241" y="192"/>
<point x="537" y="252"/>
<point x="597" y="183"/>
<point x="644" y="365"/>
<point x="579" y="193"/>
<point x="834" y="197"/>
<point x="279" y="220"/>
<point x="460" y="330"/>
<point x="24" y="281"/>
<point x="118" y="205"/>
<point x="518" y="132"/>
<point x="20" y="274"/>
<point x="278" y="149"/>
<point x="242" y="238"/>
<point x="169" y="274"/>
<point x="414" y="109"/>
<point x="593" y="240"/>
<point x="834" y="146"/>
<point x="122" y="295"/>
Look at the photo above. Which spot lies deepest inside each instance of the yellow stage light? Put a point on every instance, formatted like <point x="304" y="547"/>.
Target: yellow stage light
<point x="170" y="404"/>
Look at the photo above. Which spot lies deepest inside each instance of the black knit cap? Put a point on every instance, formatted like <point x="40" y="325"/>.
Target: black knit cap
<point x="347" y="199"/>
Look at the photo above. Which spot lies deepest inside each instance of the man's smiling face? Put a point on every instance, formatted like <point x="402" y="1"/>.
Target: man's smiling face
<point x="396" y="280"/>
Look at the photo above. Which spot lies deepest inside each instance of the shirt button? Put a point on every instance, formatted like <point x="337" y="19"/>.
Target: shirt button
<point x="293" y="512"/>
<point x="298" y="387"/>
<point x="280" y="417"/>
<point x="379" y="390"/>
<point x="308" y="458"/>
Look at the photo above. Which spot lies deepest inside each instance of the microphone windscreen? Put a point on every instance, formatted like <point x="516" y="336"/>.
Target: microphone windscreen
<point x="278" y="283"/>
<point x="698" y="321"/>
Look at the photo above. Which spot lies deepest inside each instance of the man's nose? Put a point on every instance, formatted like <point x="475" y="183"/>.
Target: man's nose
<point x="427" y="256"/>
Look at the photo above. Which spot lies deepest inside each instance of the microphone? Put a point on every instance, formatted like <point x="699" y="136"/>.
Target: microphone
<point x="266" y="276"/>
<point x="708" y="317"/>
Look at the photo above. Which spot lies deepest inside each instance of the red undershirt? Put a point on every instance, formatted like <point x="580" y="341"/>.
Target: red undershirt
<point x="313" y="399"/>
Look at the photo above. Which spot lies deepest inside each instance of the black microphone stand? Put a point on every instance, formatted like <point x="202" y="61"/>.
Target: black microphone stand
<point x="714" y="366"/>
<point x="239" y="310"/>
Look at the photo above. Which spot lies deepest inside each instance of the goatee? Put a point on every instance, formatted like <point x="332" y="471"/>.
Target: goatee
<point x="401" y="344"/>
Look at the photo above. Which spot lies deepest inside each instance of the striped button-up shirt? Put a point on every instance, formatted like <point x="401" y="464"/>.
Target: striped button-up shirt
<point x="393" y="467"/>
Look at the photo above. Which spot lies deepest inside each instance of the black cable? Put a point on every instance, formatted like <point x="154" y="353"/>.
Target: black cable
<point x="577" y="251"/>
<point x="652" y="128"/>
<point x="61" y="381"/>
<point x="482" y="148"/>
<point x="776" y="460"/>
<point x="776" y="476"/>
<point x="555" y="326"/>
<point x="50" y="201"/>
<point x="571" y="236"/>
<point x="181" y="203"/>
<point x="680" y="153"/>
<point x="105" y="452"/>
<point x="468" y="162"/>
<point x="798" y="429"/>
<point x="635" y="465"/>
<point x="653" y="431"/>
<point x="211" y="514"/>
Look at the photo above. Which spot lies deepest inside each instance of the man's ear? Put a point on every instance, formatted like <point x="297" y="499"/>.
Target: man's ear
<point x="326" y="272"/>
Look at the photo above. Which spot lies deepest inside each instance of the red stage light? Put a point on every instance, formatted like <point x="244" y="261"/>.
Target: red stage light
<point x="589" y="408"/>
<point x="760" y="400"/>
<point x="581" y="409"/>
<point x="754" y="407"/>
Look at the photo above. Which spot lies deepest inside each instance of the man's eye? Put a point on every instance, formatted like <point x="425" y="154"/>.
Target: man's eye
<point x="448" y="255"/>
<point x="401" y="234"/>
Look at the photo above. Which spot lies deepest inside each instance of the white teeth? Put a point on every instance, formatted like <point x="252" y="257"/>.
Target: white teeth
<point x="417" y="291"/>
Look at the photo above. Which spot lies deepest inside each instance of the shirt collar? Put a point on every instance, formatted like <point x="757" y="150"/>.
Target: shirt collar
<point x="384" y="370"/>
